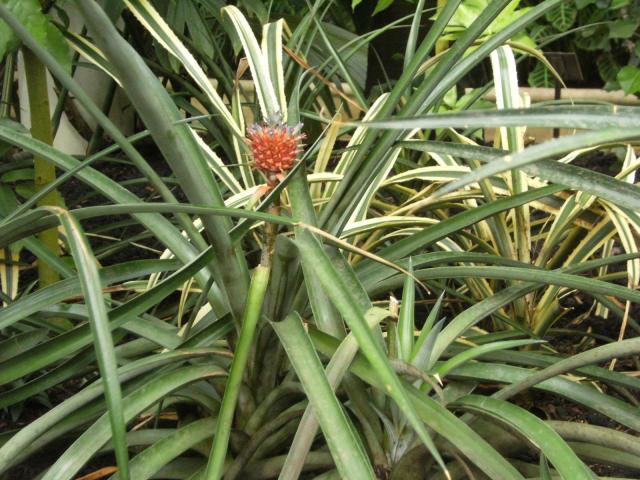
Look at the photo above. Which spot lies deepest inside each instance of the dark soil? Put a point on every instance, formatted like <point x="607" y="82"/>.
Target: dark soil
<point x="76" y="194"/>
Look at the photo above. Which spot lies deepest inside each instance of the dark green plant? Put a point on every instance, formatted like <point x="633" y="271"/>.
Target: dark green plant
<point x="606" y="29"/>
<point x="185" y="369"/>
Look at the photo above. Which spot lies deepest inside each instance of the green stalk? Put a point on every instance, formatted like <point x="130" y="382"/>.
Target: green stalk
<point x="44" y="171"/>
<point x="255" y="297"/>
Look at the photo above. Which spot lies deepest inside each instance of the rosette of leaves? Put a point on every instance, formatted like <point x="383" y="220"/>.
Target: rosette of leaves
<point x="157" y="375"/>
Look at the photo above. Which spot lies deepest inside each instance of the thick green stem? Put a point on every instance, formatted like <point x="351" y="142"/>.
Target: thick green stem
<point x="44" y="171"/>
<point x="270" y="231"/>
<point x="250" y="319"/>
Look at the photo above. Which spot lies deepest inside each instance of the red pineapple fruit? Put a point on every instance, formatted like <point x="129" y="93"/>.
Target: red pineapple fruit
<point x="274" y="147"/>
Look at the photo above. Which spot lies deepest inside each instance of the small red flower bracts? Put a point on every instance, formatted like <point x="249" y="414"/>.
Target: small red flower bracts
<point x="274" y="147"/>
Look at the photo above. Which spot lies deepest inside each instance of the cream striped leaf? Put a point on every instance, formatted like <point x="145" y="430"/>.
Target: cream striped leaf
<point x="158" y="28"/>
<point x="265" y="92"/>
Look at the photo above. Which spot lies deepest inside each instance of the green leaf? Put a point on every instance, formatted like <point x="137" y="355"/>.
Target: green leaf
<point x="615" y="4"/>
<point x="178" y="145"/>
<point x="542" y="360"/>
<point x="152" y="459"/>
<point x="623" y="28"/>
<point x="269" y="104"/>
<point x="32" y="433"/>
<point x="65" y="289"/>
<point x="534" y="430"/>
<point x="480" y="310"/>
<point x="594" y="356"/>
<point x="551" y="148"/>
<point x="471" y="353"/>
<point x="335" y="372"/>
<point x="100" y="331"/>
<point x="603" y="436"/>
<point x="470" y="10"/>
<point x="423" y="359"/>
<point x="607" y="67"/>
<point x="454" y="72"/>
<point x="605" y="454"/>
<point x="357" y="92"/>
<point x="405" y="319"/>
<point x="584" y="3"/>
<point x="25" y="190"/>
<point x="413" y="33"/>
<point x="29" y="13"/>
<point x="70" y="341"/>
<point x="18" y="175"/>
<point x="581" y="117"/>
<point x="554" y="277"/>
<point x="562" y="16"/>
<point x="614" y="408"/>
<point x="20" y="342"/>
<point x="156" y="26"/>
<point x="348" y="193"/>
<point x="540" y="33"/>
<point x="436" y="232"/>
<point x="426" y="328"/>
<point x="344" y="444"/>
<point x="545" y="472"/>
<point x="160" y="226"/>
<point x="540" y="76"/>
<point x="382" y="5"/>
<point x="577" y="178"/>
<point x="434" y="414"/>
<point x="629" y="79"/>
<point x="334" y="284"/>
<point x="85" y="447"/>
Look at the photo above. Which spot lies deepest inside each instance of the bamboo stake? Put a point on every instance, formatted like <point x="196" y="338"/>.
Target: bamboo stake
<point x="44" y="171"/>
